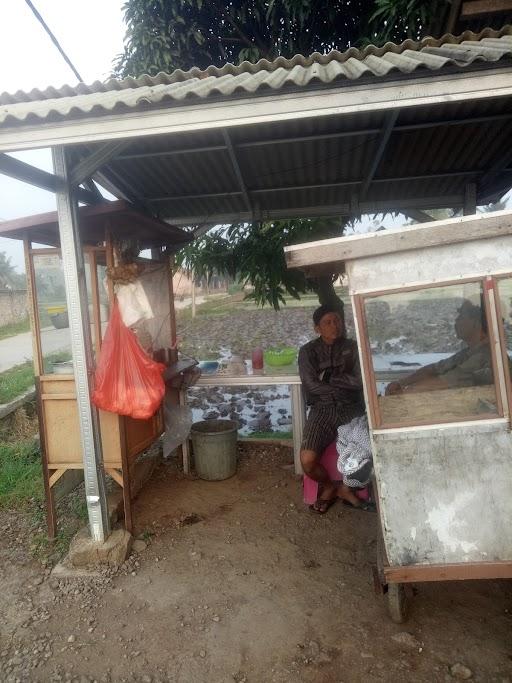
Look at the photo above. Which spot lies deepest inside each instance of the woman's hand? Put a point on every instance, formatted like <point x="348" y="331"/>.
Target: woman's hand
<point x="393" y="389"/>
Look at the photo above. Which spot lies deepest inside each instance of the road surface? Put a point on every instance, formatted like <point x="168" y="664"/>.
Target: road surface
<point x="18" y="349"/>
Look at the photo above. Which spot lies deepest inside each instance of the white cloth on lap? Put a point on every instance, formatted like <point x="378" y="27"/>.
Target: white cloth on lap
<point x="355" y="452"/>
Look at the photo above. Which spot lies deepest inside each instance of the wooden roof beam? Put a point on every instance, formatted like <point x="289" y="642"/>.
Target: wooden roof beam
<point x="89" y="165"/>
<point x="237" y="170"/>
<point x="402" y="128"/>
<point x="477" y="8"/>
<point x="494" y="171"/>
<point x="387" y="129"/>
<point x="419" y="216"/>
<point x="399" y="205"/>
<point x="20" y="170"/>
<point x="314" y="186"/>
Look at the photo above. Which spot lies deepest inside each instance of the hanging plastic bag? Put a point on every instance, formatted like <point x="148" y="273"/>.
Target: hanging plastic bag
<point x="127" y="380"/>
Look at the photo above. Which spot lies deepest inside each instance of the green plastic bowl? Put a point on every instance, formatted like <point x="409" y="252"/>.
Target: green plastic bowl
<point x="280" y="356"/>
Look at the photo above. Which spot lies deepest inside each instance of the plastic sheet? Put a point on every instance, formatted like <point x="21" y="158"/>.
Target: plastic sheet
<point x="178" y="421"/>
<point x="145" y="306"/>
<point x="127" y="380"/>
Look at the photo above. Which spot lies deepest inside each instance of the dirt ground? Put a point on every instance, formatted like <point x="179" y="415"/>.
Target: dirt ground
<point x="241" y="582"/>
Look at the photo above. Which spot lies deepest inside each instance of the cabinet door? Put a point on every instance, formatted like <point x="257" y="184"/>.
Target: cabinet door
<point x="140" y="434"/>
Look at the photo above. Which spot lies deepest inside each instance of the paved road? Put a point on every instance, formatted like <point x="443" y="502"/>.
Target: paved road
<point x="18" y="349"/>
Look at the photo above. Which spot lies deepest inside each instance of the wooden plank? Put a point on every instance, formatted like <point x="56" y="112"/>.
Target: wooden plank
<point x="51" y="516"/>
<point x="499" y="371"/>
<point x="453" y="16"/>
<point x="127" y="487"/>
<point x="54" y="478"/>
<point x="58" y="397"/>
<point x="469" y="207"/>
<point x="20" y="170"/>
<point x="56" y="378"/>
<point x="89" y="165"/>
<point x="475" y="8"/>
<point x="65" y="465"/>
<point x="95" y="296"/>
<point x="172" y="310"/>
<point x="116" y="475"/>
<point x="385" y="134"/>
<point x="503" y="343"/>
<point x="436" y="233"/>
<point x="32" y="309"/>
<point x="221" y="380"/>
<point x="365" y="353"/>
<point x="449" y="572"/>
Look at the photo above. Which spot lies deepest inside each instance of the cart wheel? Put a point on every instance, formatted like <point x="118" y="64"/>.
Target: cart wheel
<point x="397" y="602"/>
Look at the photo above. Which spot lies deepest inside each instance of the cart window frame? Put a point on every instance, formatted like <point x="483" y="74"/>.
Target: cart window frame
<point x="496" y="341"/>
<point x="91" y="254"/>
<point x="503" y="340"/>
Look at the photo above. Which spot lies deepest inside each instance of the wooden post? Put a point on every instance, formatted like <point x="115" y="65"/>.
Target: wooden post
<point x="469" y="199"/>
<point x="193" y="294"/>
<point x="32" y="310"/>
<point x="172" y="310"/>
<point x="95" y="297"/>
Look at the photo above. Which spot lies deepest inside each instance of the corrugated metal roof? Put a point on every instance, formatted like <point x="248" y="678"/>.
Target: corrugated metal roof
<point x="489" y="46"/>
<point x="318" y="166"/>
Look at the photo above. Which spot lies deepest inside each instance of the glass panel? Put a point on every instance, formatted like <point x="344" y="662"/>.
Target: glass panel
<point x="431" y="355"/>
<point x="53" y="313"/>
<point x="505" y="293"/>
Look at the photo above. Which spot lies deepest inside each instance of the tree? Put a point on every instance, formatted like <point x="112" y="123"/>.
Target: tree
<point x="9" y="278"/>
<point x="163" y="35"/>
<point x="252" y="254"/>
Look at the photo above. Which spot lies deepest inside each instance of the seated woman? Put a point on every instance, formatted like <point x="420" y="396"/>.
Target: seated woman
<point x="469" y="367"/>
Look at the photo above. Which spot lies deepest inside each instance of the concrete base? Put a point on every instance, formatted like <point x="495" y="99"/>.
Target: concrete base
<point x="65" y="571"/>
<point x="84" y="552"/>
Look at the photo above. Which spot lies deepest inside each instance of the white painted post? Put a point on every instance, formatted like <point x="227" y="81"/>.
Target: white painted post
<point x="81" y="346"/>
<point x="298" y="422"/>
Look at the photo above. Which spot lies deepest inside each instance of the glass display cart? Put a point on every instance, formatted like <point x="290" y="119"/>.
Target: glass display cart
<point x="432" y="306"/>
<point x="102" y="228"/>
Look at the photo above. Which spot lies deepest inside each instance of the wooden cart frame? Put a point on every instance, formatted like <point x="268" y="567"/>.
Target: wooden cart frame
<point x="123" y="438"/>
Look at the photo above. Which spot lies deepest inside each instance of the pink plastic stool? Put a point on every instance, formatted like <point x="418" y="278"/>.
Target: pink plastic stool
<point x="329" y="460"/>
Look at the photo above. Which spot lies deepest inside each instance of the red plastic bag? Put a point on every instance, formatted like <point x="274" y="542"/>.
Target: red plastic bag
<point x="127" y="380"/>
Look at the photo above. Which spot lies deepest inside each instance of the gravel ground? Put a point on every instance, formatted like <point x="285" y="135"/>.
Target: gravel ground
<point x="237" y="581"/>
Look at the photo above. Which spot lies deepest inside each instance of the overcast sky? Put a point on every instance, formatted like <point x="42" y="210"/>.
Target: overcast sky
<point x="91" y="33"/>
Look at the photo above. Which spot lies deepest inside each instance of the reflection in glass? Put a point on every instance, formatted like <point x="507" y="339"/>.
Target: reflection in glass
<point x="53" y="314"/>
<point x="431" y="355"/>
<point x="52" y="308"/>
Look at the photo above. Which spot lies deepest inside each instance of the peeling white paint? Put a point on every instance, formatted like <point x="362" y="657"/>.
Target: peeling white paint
<point x="447" y="520"/>
<point x="413" y="533"/>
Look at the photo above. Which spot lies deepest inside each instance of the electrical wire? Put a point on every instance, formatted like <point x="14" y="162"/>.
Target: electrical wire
<point x="53" y="39"/>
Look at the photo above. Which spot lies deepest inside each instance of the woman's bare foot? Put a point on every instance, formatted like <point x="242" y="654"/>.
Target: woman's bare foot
<point x="347" y="494"/>
<point x="329" y="491"/>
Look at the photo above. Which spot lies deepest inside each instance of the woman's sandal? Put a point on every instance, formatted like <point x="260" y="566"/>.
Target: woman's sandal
<point x="321" y="506"/>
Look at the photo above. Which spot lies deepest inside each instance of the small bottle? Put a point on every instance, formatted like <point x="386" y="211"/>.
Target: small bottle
<point x="257" y="359"/>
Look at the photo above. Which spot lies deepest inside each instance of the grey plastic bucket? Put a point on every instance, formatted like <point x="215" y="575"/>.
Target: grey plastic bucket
<point x="214" y="443"/>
